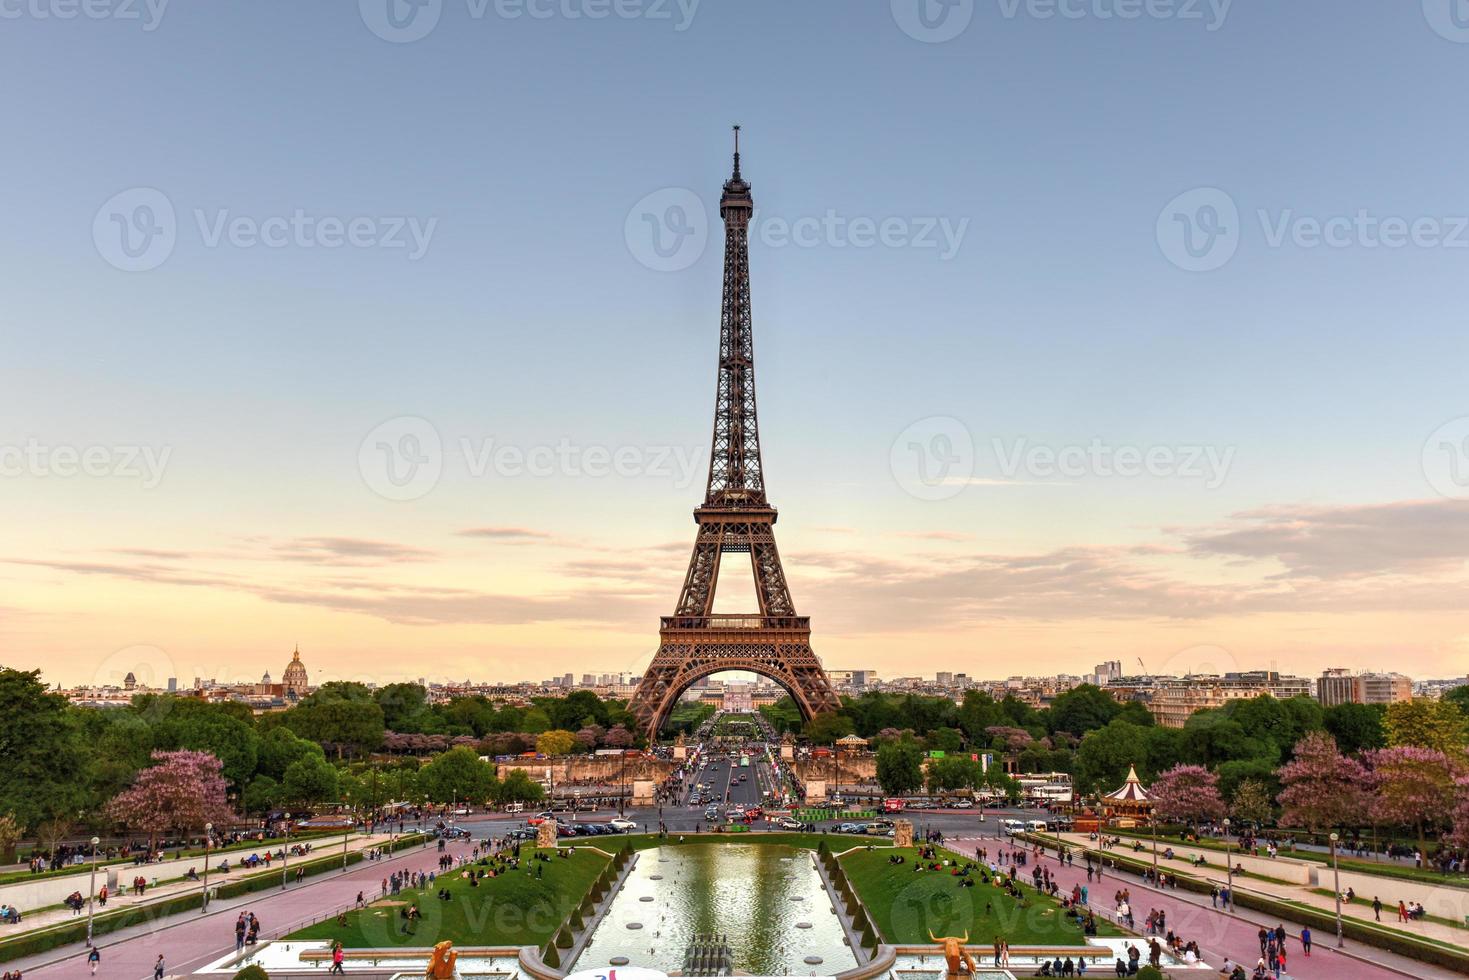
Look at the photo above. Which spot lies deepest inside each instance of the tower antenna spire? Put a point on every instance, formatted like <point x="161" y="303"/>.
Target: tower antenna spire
<point x="737" y="151"/>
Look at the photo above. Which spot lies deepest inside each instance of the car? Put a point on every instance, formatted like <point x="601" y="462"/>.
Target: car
<point x="622" y="825"/>
<point x="790" y="823"/>
<point x="541" y="818"/>
<point x="521" y="833"/>
<point x="964" y="804"/>
<point x="851" y="828"/>
<point x="877" y="828"/>
<point x="920" y="804"/>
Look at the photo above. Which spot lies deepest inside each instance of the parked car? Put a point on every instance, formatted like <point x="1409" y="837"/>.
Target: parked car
<point x="622" y="825"/>
<point x="878" y="827"/>
<point x="851" y="828"/>
<point x="964" y="803"/>
<point x="522" y="833"/>
<point x="541" y="818"/>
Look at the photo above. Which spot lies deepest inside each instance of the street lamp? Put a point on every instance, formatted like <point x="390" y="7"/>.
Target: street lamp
<point x="286" y="851"/>
<point x="208" y="840"/>
<point x="1228" y="868"/>
<point x="1153" y="822"/>
<point x="345" y="833"/>
<point x="92" y="889"/>
<point x="1336" y="883"/>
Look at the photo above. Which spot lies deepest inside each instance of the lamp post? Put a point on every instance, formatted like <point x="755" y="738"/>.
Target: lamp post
<point x="92" y="889"/>
<point x="345" y="833"/>
<point x="1336" y="887"/>
<point x="286" y="851"/>
<point x="208" y="840"/>
<point x="1153" y="823"/>
<point x="1228" y="868"/>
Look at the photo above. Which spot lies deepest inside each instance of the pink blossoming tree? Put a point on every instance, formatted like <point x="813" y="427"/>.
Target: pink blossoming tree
<point x="1413" y="787"/>
<point x="181" y="791"/>
<point x="1322" y="787"/>
<point x="1187" y="794"/>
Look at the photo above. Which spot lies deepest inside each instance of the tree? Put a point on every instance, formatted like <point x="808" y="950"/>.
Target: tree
<point x="1251" y="803"/>
<point x="44" y="773"/>
<point x="618" y="737"/>
<point x="1413" y="787"/>
<point x="945" y="740"/>
<point x="1187" y="794"/>
<point x="336" y="718"/>
<point x="280" y="747"/>
<point x="828" y="726"/>
<point x="9" y="837"/>
<point x="899" y="767"/>
<point x="261" y="796"/>
<point x="952" y="772"/>
<point x="518" y="787"/>
<point x="1459" y="836"/>
<point x="1082" y="709"/>
<point x="557" y="741"/>
<point x="457" y="774"/>
<point x="1437" y="725"/>
<point x="204" y="728"/>
<point x="1322" y="788"/>
<point x="309" y="781"/>
<point x="1104" y="756"/>
<point x="405" y="707"/>
<point x="1460" y="696"/>
<point x="1356" y="727"/>
<point x="182" y="790"/>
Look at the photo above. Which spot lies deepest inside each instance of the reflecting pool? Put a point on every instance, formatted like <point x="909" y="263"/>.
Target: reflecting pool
<point x="767" y="899"/>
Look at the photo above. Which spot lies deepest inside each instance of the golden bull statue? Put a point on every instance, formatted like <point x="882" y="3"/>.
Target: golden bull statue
<point x="955" y="954"/>
<point x="441" y="965"/>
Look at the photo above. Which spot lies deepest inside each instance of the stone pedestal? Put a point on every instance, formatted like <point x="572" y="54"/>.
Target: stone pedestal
<point x="788" y="752"/>
<point x="643" y="792"/>
<point x="816" y="791"/>
<point x="902" y="833"/>
<point x="546" y="833"/>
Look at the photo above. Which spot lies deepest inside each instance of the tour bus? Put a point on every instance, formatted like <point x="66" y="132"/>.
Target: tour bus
<point x="893" y="805"/>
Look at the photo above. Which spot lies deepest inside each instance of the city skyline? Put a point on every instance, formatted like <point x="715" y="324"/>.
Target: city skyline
<point x="1009" y="418"/>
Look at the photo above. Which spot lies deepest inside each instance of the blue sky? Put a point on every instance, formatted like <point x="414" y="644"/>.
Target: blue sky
<point x="1055" y="142"/>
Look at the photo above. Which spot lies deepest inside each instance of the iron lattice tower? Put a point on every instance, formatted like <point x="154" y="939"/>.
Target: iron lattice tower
<point x="735" y="518"/>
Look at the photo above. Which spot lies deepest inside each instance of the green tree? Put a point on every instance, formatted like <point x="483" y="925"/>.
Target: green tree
<point x="1251" y="803"/>
<point x="828" y="726"/>
<point x="1356" y="727"/>
<point x="951" y="773"/>
<point x="280" y="747"/>
<point x="1436" y="725"/>
<point x="405" y="707"/>
<point x="309" y="781"/>
<point x="347" y="725"/>
<point x="44" y="772"/>
<point x="518" y="787"/>
<point x="899" y="767"/>
<point x="261" y="796"/>
<point x="1082" y="709"/>
<point x="457" y="775"/>
<point x="1103" y="758"/>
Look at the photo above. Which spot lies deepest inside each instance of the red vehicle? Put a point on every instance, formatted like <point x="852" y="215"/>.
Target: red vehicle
<point x="892" y="805"/>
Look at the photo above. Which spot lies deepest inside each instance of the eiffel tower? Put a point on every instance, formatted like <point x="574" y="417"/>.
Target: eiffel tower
<point x="735" y="518"/>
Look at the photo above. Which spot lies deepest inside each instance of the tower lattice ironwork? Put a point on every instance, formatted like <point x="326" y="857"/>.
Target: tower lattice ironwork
<point x="735" y="518"/>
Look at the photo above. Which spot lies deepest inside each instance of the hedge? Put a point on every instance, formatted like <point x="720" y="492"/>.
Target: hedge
<point x="76" y="931"/>
<point x="1320" y="919"/>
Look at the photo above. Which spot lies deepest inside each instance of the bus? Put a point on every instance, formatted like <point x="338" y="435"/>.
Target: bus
<point x="744" y="762"/>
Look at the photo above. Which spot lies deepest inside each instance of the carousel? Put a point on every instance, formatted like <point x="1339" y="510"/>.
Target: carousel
<point x="1129" y="804"/>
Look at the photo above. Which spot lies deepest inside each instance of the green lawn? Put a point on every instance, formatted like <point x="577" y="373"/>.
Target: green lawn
<point x="905" y="905"/>
<point x="513" y="909"/>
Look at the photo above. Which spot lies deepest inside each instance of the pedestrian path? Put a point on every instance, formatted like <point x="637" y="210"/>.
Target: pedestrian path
<point x="189" y="941"/>
<point x="122" y="897"/>
<point x="1219" y="933"/>
<point x="1456" y="904"/>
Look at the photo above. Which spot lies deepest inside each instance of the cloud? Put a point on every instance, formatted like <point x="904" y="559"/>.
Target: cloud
<point x="1415" y="537"/>
<point x="348" y="551"/>
<point x="504" y="533"/>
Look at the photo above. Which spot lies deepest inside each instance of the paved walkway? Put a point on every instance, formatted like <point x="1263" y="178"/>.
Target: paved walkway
<point x="191" y="940"/>
<point x="1218" y="933"/>
<point x="1391" y="887"/>
<point x="124" y="899"/>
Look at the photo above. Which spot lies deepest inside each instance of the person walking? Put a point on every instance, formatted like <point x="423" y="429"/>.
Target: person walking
<point x="94" y="957"/>
<point x="1306" y="940"/>
<point x="158" y="968"/>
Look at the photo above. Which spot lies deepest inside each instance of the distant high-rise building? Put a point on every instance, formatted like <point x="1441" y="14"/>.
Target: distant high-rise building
<point x="173" y="685"/>
<point x="1338" y="685"/>
<point x="944" y="678"/>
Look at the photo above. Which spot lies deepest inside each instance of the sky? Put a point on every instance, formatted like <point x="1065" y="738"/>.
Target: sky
<point x="1086" y="330"/>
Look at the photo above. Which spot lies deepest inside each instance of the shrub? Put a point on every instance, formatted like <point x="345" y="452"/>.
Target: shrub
<point x="252" y="972"/>
<point x="1149" y="973"/>
<point x="563" y="938"/>
<point x="550" y="957"/>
